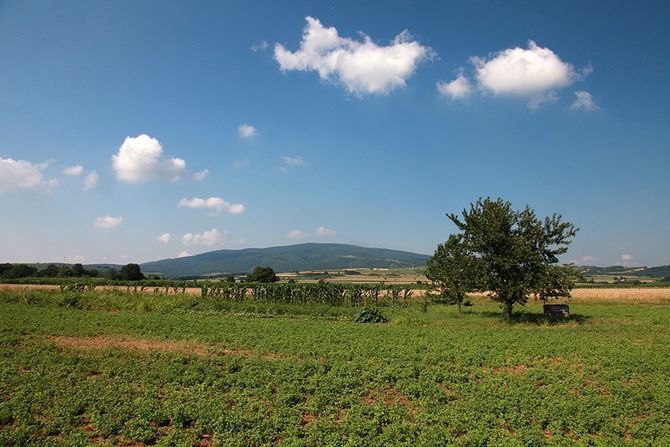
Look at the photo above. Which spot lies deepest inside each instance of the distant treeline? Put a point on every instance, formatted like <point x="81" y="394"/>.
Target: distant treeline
<point x="129" y="272"/>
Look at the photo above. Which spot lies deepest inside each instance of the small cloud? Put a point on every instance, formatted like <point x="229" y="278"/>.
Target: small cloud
<point x="262" y="45"/>
<point x="73" y="170"/>
<point x="627" y="259"/>
<point x="533" y="73"/>
<point x="209" y="237"/>
<point x="217" y="204"/>
<point x="183" y="254"/>
<point x="361" y="66"/>
<point x="164" y="238"/>
<point x="459" y="88"/>
<point x="91" y="180"/>
<point x="141" y="159"/>
<point x="584" y="101"/>
<point x="108" y="222"/>
<point x="587" y="259"/>
<point x="246" y="131"/>
<point x="239" y="164"/>
<point x="296" y="235"/>
<point x="293" y="162"/>
<point x="21" y="175"/>
<point x="323" y="231"/>
<point x="201" y="175"/>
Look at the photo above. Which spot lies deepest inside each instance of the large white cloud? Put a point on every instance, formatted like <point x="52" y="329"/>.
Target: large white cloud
<point x="209" y="237"/>
<point x="21" y="175"/>
<point x="363" y="67"/>
<point x="141" y="158"/>
<point x="108" y="222"/>
<point x="216" y="204"/>
<point x="164" y="238"/>
<point x="531" y="73"/>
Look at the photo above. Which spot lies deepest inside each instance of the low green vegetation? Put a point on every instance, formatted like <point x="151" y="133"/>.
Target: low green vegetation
<point x="113" y="368"/>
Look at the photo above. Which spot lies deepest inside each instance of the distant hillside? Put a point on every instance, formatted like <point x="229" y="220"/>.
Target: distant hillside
<point x="659" y="271"/>
<point x="290" y="258"/>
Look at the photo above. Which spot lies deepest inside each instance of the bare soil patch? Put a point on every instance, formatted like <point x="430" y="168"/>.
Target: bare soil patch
<point x="147" y="345"/>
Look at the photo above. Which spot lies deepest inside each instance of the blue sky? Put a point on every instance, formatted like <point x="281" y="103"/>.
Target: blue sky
<point x="245" y="124"/>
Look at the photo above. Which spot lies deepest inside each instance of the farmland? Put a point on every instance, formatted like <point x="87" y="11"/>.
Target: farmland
<point x="110" y="367"/>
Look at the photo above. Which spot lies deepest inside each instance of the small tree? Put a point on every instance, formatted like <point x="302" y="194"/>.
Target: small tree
<point x="514" y="253"/>
<point x="453" y="269"/>
<point x="262" y="274"/>
<point x="131" y="272"/>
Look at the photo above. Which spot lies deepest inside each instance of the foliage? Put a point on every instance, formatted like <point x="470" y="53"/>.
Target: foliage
<point x="510" y="254"/>
<point x="454" y="270"/>
<point x="262" y="274"/>
<point x="11" y="271"/>
<point x="370" y="315"/>
<point x="131" y="272"/>
<point x="72" y="376"/>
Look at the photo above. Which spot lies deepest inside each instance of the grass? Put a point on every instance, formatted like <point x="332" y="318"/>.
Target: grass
<point x="110" y="368"/>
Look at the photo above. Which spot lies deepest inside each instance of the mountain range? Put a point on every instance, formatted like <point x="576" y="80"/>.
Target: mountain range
<point x="300" y="257"/>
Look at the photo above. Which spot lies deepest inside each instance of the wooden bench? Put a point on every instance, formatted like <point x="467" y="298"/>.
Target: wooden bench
<point x="557" y="310"/>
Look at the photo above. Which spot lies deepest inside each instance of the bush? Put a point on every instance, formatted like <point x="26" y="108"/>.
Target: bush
<point x="370" y="315"/>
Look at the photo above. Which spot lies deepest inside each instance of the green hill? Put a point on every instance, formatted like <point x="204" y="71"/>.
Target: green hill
<point x="290" y="258"/>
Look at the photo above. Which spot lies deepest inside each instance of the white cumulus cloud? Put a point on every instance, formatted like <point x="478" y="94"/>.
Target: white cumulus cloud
<point x="91" y="180"/>
<point x="584" y="101"/>
<point x="246" y="131"/>
<point x="108" y="222"/>
<point x="164" y="238"/>
<point x="183" y="254"/>
<point x="74" y="170"/>
<point x="296" y="234"/>
<point x="141" y="158"/>
<point x="627" y="259"/>
<point x="208" y="237"/>
<point x="201" y="175"/>
<point x="363" y="67"/>
<point x="532" y="73"/>
<point x="21" y="175"/>
<point x="324" y="231"/>
<point x="459" y="88"/>
<point x="216" y="204"/>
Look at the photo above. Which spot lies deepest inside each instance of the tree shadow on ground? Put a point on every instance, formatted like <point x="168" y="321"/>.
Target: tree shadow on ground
<point x="523" y="317"/>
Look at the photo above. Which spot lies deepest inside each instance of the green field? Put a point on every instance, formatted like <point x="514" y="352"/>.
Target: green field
<point x="110" y="368"/>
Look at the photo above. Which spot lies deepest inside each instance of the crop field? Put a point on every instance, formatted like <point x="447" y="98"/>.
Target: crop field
<point x="116" y="368"/>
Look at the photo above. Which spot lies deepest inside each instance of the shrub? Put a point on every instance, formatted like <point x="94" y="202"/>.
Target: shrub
<point x="370" y="315"/>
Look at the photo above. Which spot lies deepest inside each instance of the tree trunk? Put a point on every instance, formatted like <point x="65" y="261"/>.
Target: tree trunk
<point x="459" y="307"/>
<point x="508" y="310"/>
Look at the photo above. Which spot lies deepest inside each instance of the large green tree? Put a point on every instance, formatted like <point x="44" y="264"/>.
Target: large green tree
<point x="509" y="254"/>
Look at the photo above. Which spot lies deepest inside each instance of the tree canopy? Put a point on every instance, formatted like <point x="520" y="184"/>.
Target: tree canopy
<point x="507" y="253"/>
<point x="262" y="274"/>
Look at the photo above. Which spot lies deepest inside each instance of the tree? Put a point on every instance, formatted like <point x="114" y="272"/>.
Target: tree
<point x="131" y="272"/>
<point x="510" y="254"/>
<point x="453" y="268"/>
<point x="262" y="274"/>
